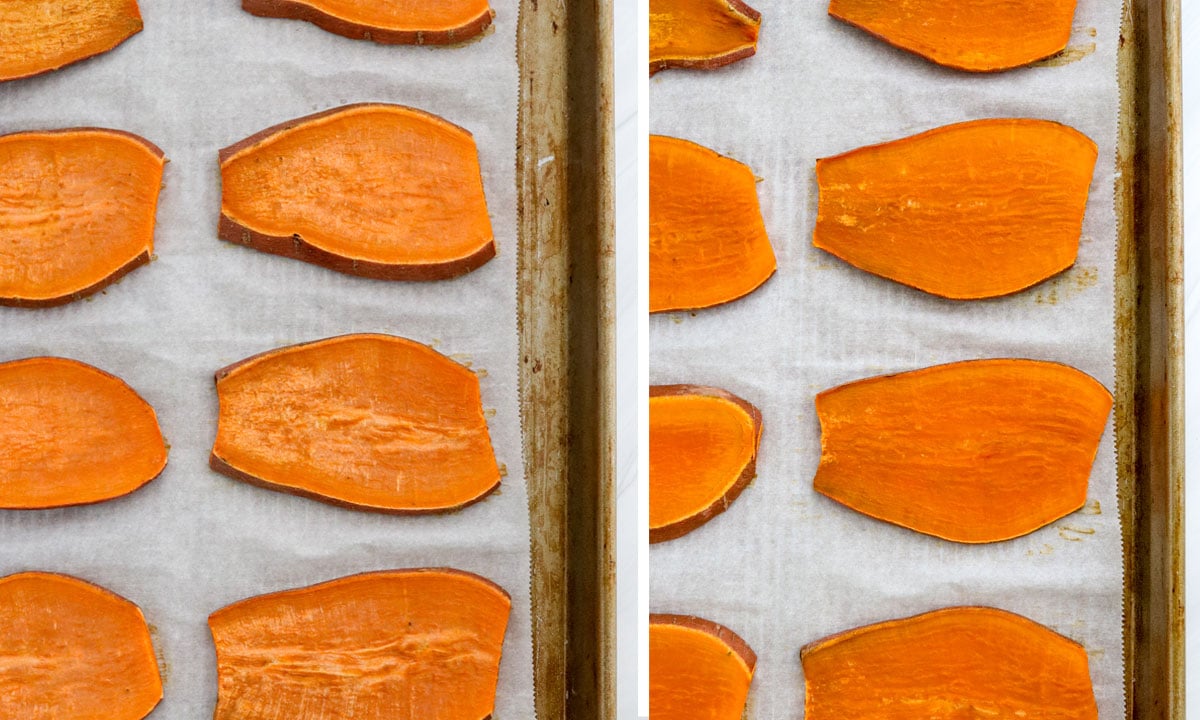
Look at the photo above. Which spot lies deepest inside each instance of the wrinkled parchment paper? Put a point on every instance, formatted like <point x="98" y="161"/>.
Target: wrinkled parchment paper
<point x="785" y="566"/>
<point x="201" y="76"/>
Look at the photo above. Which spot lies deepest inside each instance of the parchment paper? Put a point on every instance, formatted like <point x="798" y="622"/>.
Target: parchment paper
<point x="203" y="75"/>
<point x="785" y="566"/>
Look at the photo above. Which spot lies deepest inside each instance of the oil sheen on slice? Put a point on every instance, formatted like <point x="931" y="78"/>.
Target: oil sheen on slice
<point x="967" y="211"/>
<point x="421" y="643"/>
<point x="371" y="422"/>
<point x="958" y="662"/>
<point x="375" y="190"/>
<point x="77" y="210"/>
<point x="974" y="452"/>
<point x="708" y="243"/>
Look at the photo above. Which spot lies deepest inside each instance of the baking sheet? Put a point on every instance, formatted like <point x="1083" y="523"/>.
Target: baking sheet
<point x="199" y="77"/>
<point x="785" y="566"/>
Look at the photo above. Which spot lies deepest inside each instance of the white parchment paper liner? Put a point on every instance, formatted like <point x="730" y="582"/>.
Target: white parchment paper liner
<point x="785" y="566"/>
<point x="201" y="76"/>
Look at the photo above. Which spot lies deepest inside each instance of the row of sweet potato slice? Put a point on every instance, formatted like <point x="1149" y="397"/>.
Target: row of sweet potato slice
<point x="371" y="422"/>
<point x="412" y="643"/>
<point x="374" y="190"/>
<point x="45" y="35"/>
<point x="970" y="35"/>
<point x="954" y="662"/>
<point x="973" y="452"/>
<point x="967" y="211"/>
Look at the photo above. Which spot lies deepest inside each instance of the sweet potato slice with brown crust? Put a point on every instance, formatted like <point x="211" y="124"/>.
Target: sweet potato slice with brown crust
<point x="44" y="35"/>
<point x="958" y="662"/>
<point x="73" y="651"/>
<point x="421" y="643"/>
<point x="973" y="210"/>
<point x="703" y="447"/>
<point x="697" y="669"/>
<point x="77" y="212"/>
<point x="372" y="422"/>
<point x="72" y="435"/>
<point x="389" y="22"/>
<point x="380" y="191"/>
<point x="702" y="34"/>
<point x="708" y="243"/>
<point x="975" y="452"/>
<point x="973" y="35"/>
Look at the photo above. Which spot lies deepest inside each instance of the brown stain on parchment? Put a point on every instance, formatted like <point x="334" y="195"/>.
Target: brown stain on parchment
<point x="1045" y="549"/>
<point x="1072" y="533"/>
<point x="1092" y="508"/>
<point x="1047" y="297"/>
<point x="804" y="511"/>
<point x="823" y="261"/>
<point x="1070" y="54"/>
<point x="1067" y="285"/>
<point x="164" y="668"/>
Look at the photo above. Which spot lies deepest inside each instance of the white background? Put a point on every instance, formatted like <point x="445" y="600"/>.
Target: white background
<point x="625" y="38"/>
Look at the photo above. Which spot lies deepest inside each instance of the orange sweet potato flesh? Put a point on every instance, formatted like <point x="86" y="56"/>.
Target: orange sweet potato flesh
<point x="375" y="190"/>
<point x="372" y="422"/>
<point x="390" y="22"/>
<point x="73" y="651"/>
<point x="962" y="662"/>
<point x="421" y="643"/>
<point x="77" y="212"/>
<point x="973" y="35"/>
<point x="698" y="669"/>
<point x="708" y="243"/>
<point x="703" y="447"/>
<point x="44" y="35"/>
<point x="701" y="34"/>
<point x="974" y="210"/>
<point x="975" y="452"/>
<point x="72" y="435"/>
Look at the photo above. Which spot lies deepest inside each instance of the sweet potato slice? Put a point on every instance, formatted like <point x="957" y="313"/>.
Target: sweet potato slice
<point x="389" y="22"/>
<point x="963" y="662"/>
<point x="72" y="435"/>
<point x="380" y="191"/>
<point x="76" y="212"/>
<point x="421" y="643"/>
<point x="73" y="651"/>
<point x="975" y="452"/>
<point x="372" y="422"/>
<point x="708" y="243"/>
<point x="973" y="210"/>
<point x="703" y="34"/>
<point x="703" y="446"/>
<point x="44" y="35"/>
<point x="698" y="669"/>
<point x="973" y="35"/>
